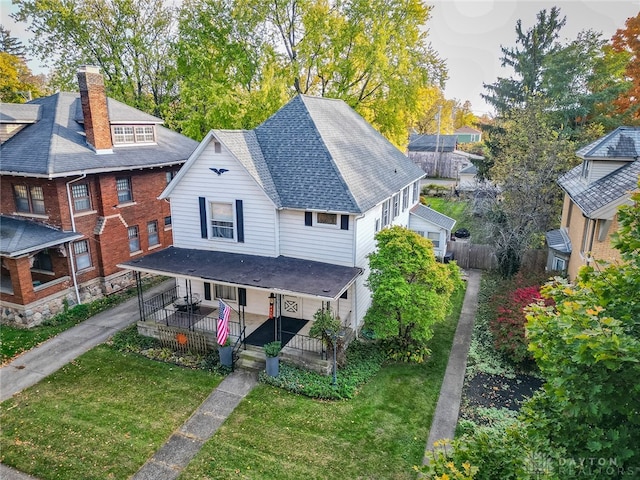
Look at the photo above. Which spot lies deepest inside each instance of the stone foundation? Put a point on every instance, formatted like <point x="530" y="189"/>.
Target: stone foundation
<point x="33" y="314"/>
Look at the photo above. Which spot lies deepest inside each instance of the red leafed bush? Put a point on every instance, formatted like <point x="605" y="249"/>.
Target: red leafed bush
<point x="507" y="325"/>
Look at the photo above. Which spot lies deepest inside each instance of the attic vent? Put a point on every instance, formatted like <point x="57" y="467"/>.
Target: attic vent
<point x="217" y="148"/>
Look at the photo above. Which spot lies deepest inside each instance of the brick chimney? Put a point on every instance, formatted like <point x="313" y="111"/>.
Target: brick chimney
<point x="94" y="109"/>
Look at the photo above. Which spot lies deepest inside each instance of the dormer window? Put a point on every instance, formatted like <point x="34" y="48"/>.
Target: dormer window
<point x="132" y="134"/>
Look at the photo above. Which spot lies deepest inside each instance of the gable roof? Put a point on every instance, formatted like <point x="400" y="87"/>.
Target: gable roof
<point x="317" y="154"/>
<point x="558" y="240"/>
<point x="432" y="216"/>
<point x="56" y="146"/>
<point x="590" y="197"/>
<point x="427" y="143"/>
<point x="621" y="144"/>
<point x="19" y="236"/>
<point x="19" y="113"/>
<point x="466" y="129"/>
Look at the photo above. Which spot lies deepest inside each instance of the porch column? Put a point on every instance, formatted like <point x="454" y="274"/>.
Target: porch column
<point x="20" y="272"/>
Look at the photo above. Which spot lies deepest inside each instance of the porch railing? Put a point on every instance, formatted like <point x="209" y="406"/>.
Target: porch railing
<point x="304" y="343"/>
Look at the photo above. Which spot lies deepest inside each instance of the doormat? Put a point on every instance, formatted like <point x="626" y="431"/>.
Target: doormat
<point x="265" y="333"/>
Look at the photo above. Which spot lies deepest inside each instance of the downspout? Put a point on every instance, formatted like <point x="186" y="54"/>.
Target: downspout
<point x="73" y="229"/>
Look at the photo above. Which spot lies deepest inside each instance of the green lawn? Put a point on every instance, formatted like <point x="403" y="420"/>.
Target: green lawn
<point x="460" y="210"/>
<point x="101" y="416"/>
<point x="381" y="433"/>
<point x="105" y="414"/>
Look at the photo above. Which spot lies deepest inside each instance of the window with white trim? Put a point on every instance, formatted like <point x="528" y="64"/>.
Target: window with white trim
<point x="416" y="192"/>
<point x="82" y="255"/>
<point x="130" y="134"/>
<point x="152" y="231"/>
<point x="134" y="239"/>
<point x="326" y="218"/>
<point x="29" y="199"/>
<point x="405" y="198"/>
<point x="226" y="292"/>
<point x="123" y="187"/>
<point x="386" y="207"/>
<point x="396" y="205"/>
<point x="80" y="194"/>
<point x="435" y="239"/>
<point x="222" y="224"/>
<point x="559" y="264"/>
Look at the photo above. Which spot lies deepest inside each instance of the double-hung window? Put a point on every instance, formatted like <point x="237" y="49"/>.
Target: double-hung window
<point x="80" y="194"/>
<point x="81" y="252"/>
<point x="405" y="198"/>
<point x="222" y="224"/>
<point x="435" y="239"/>
<point x="396" y="205"/>
<point x="386" y="206"/>
<point x="29" y="199"/>
<point x="123" y="186"/>
<point x="134" y="239"/>
<point x="152" y="231"/>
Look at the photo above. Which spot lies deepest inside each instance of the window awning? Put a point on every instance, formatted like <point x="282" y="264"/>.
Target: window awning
<point x="279" y="274"/>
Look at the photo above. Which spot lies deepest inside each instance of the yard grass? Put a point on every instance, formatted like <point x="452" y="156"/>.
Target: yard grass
<point x="381" y="433"/>
<point x="460" y="210"/>
<point x="101" y="416"/>
<point x="15" y="340"/>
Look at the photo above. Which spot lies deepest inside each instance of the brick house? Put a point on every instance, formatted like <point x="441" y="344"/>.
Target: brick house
<point x="80" y="180"/>
<point x="594" y="190"/>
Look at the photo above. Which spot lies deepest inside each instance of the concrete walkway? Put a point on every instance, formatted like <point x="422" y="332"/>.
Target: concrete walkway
<point x="41" y="361"/>
<point x="445" y="418"/>
<point x="185" y="443"/>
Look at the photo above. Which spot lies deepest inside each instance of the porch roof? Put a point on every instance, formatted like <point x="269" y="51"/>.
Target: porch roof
<point x="20" y="236"/>
<point x="282" y="274"/>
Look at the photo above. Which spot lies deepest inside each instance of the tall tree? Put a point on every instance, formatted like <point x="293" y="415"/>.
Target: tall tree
<point x="527" y="60"/>
<point x="436" y="112"/>
<point x="528" y="156"/>
<point x="373" y="55"/>
<point x="411" y="291"/>
<point x="17" y="83"/>
<point x="127" y="39"/>
<point x="463" y="116"/>
<point x="11" y="45"/>
<point x="627" y="40"/>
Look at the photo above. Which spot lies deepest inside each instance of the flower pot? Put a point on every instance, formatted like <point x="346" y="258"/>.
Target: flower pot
<point x="226" y="355"/>
<point x="273" y="366"/>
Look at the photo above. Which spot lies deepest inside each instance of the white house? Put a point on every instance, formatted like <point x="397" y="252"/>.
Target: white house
<point x="433" y="225"/>
<point x="278" y="221"/>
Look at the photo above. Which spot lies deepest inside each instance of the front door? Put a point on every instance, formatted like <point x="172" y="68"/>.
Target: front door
<point x="291" y="306"/>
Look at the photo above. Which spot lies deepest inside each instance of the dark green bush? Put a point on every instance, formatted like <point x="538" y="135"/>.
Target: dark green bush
<point x="363" y="362"/>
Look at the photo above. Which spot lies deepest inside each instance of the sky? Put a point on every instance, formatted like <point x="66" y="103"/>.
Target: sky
<point x="468" y="34"/>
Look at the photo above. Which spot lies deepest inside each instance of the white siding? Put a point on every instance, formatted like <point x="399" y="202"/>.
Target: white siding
<point x="599" y="169"/>
<point x="235" y="184"/>
<point x="423" y="227"/>
<point x="319" y="243"/>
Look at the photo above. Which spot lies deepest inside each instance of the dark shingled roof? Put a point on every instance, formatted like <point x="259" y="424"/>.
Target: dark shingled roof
<point x="623" y="143"/>
<point x="433" y="216"/>
<point x="427" y="143"/>
<point x="592" y="196"/>
<point x="558" y="240"/>
<point x="19" y="113"/>
<point x="285" y="274"/>
<point x="19" y="236"/>
<point x="56" y="145"/>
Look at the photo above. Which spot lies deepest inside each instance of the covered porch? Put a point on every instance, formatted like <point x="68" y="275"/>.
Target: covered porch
<point x="270" y="298"/>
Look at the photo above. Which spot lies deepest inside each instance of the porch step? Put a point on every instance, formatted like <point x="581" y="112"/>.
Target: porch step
<point x="252" y="359"/>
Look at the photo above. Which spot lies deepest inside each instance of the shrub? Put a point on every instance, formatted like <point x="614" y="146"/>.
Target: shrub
<point x="363" y="362"/>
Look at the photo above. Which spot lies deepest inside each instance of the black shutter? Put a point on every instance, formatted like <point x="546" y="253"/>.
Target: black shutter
<point x="240" y="221"/>
<point x="344" y="222"/>
<point x="203" y="217"/>
<point x="242" y="297"/>
<point x="308" y="219"/>
<point x="207" y="291"/>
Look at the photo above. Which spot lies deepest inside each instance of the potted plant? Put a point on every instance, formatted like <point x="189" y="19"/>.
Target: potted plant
<point x="272" y="350"/>
<point x="226" y="353"/>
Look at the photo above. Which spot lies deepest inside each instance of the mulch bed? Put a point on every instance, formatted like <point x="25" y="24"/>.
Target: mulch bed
<point x="488" y="390"/>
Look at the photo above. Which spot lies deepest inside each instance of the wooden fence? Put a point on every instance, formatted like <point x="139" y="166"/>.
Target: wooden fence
<point x="483" y="257"/>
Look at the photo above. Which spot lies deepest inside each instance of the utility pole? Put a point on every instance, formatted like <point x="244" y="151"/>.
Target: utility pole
<point x="437" y="155"/>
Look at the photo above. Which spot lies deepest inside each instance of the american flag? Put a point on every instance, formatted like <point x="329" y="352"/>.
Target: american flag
<point x="224" y="311"/>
